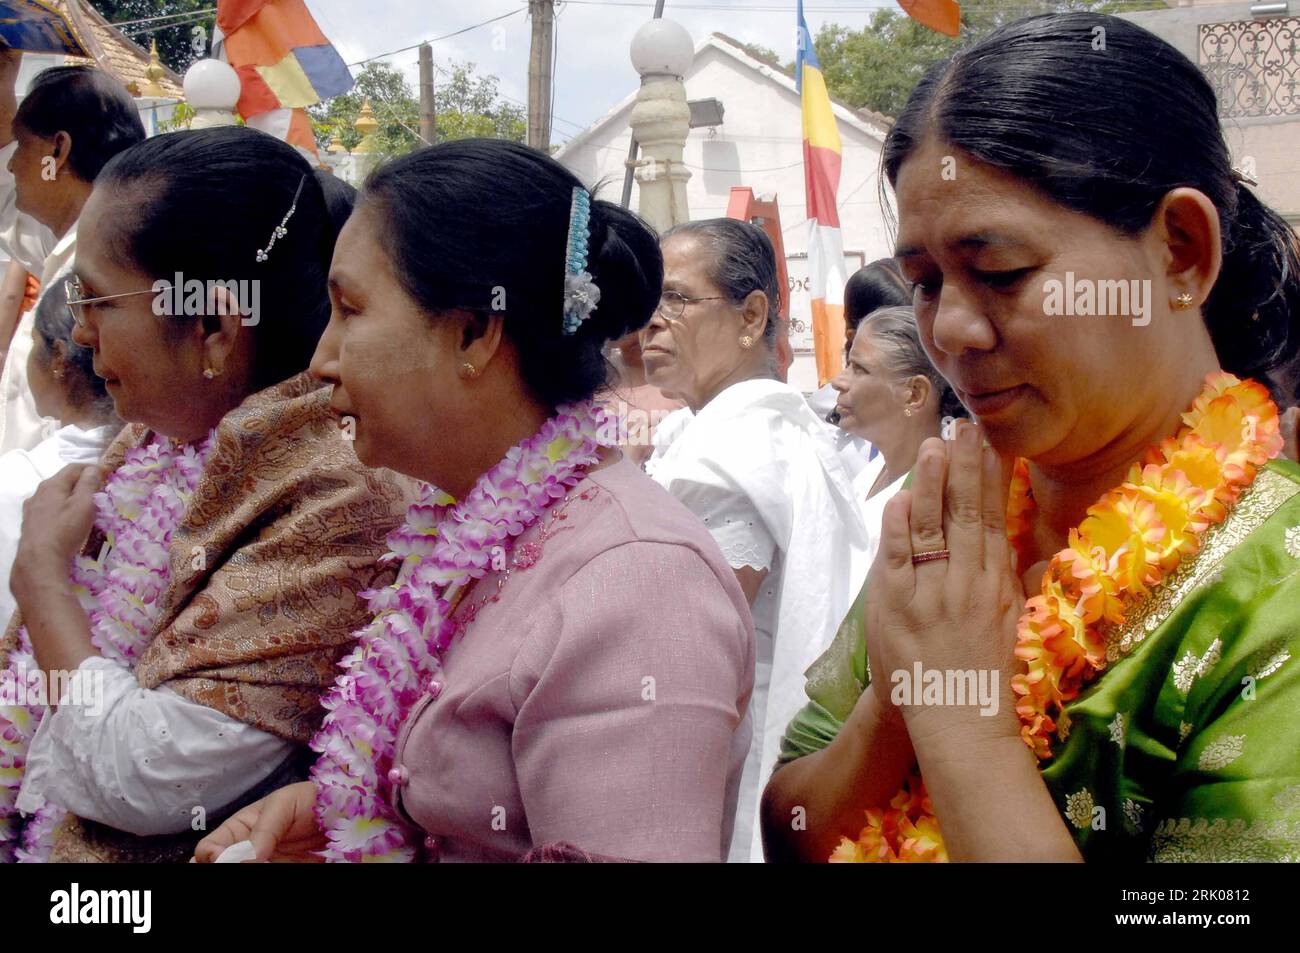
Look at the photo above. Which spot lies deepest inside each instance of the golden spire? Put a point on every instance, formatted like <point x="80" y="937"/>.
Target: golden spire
<point x="153" y="73"/>
<point x="367" y="125"/>
<point x="336" y="143"/>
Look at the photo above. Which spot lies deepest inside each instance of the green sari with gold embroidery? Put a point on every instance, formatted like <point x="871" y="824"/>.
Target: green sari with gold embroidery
<point x="1187" y="746"/>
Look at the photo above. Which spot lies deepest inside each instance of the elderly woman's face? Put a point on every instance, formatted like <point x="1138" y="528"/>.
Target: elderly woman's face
<point x="146" y="372"/>
<point x="34" y="190"/>
<point x="985" y="252"/>
<point x="46" y="385"/>
<point x="693" y="354"/>
<point x="871" y="400"/>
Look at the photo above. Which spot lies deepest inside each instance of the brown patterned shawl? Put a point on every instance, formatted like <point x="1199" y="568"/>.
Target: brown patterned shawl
<point x="283" y="532"/>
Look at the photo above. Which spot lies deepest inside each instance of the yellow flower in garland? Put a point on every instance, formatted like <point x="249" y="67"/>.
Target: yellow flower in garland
<point x="1020" y="507"/>
<point x="1131" y="540"/>
<point x="1127" y="545"/>
<point x="1237" y="414"/>
<point x="849" y="852"/>
<point x="906" y="832"/>
<point x="1185" y="510"/>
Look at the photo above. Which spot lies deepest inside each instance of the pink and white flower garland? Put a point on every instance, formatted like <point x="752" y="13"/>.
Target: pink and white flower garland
<point x="120" y="588"/>
<point x="443" y="547"/>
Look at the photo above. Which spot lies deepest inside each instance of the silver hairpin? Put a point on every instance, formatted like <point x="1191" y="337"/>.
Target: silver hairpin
<point x="1246" y="177"/>
<point x="281" y="230"/>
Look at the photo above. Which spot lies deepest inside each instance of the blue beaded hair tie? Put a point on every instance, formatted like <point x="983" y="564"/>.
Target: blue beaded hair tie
<point x="580" y="292"/>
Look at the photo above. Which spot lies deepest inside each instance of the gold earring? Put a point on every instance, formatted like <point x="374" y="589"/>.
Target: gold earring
<point x="907" y="411"/>
<point x="746" y="342"/>
<point x="209" y="373"/>
<point x="470" y="370"/>
<point x="1184" y="301"/>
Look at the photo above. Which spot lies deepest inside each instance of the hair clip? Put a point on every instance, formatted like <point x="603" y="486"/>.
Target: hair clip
<point x="581" y="295"/>
<point x="1239" y="176"/>
<point x="281" y="230"/>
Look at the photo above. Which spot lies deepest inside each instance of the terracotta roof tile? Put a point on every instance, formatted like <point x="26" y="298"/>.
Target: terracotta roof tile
<point x="112" y="50"/>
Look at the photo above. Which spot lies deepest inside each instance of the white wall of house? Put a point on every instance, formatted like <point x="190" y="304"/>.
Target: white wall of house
<point x="759" y="145"/>
<point x="1268" y="144"/>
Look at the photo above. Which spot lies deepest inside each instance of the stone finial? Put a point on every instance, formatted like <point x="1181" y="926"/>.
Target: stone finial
<point x="153" y="73"/>
<point x="367" y="125"/>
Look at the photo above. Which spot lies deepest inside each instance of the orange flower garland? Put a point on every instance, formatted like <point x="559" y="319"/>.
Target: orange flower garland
<point x="907" y="832"/>
<point x="1127" y="545"/>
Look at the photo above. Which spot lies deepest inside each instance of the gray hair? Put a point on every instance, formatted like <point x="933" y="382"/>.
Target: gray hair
<point x="743" y="262"/>
<point x="895" y="332"/>
<point x="53" y="323"/>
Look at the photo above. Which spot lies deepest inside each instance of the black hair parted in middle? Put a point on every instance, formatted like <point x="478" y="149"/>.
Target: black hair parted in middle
<point x="482" y="225"/>
<point x="1109" y="130"/>
<point x="203" y="202"/>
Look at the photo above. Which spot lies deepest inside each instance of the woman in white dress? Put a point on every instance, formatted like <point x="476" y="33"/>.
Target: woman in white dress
<point x="751" y="459"/>
<point x="891" y="396"/>
<point x="64" y="384"/>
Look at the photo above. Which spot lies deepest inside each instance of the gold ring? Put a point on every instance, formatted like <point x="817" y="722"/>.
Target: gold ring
<point x="932" y="554"/>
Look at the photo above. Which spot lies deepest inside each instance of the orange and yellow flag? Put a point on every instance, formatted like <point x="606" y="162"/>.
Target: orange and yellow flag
<point x="943" y="16"/>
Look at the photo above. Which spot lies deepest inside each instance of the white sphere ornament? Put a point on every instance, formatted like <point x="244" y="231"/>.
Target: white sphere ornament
<point x="211" y="84"/>
<point x="662" y="47"/>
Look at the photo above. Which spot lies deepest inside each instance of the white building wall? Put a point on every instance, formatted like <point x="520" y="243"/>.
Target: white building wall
<point x="1264" y="145"/>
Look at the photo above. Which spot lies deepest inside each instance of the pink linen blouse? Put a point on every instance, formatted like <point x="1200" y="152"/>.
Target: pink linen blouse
<point x="599" y="697"/>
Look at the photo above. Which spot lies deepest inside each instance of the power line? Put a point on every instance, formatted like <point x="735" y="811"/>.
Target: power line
<point x="195" y="19"/>
<point x="392" y="112"/>
<point x="446" y="36"/>
<point x="170" y="16"/>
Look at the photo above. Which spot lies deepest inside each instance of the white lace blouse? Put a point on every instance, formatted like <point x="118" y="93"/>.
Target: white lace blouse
<point x="763" y="473"/>
<point x="147" y="761"/>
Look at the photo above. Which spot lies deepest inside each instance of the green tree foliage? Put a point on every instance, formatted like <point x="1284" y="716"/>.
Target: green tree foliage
<point x="877" y="66"/>
<point x="759" y="51"/>
<point x="467" y="104"/>
<point x="174" y="42"/>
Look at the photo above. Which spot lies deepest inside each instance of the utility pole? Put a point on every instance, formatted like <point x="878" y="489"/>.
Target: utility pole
<point x="540" y="72"/>
<point x="428" y="111"/>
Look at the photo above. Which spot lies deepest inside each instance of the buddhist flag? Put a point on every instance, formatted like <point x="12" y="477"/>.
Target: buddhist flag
<point x="943" y="16"/>
<point x="821" y="162"/>
<point x="35" y="27"/>
<point x="285" y="63"/>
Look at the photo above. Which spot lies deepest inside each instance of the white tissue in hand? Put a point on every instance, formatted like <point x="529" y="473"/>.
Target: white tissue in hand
<point x="238" y="853"/>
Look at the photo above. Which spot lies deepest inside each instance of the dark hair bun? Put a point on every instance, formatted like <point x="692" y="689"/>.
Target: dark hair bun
<point x="1251" y="310"/>
<point x="483" y="225"/>
<point x="625" y="262"/>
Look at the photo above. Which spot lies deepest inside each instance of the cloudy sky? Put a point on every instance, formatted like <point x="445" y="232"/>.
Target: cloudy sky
<point x="593" y="71"/>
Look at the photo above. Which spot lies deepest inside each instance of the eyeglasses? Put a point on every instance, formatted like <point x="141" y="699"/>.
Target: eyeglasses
<point x="673" y="305"/>
<point x="77" y="301"/>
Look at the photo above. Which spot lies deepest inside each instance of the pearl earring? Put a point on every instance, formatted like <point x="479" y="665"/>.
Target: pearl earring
<point x="209" y="373"/>
<point x="907" y="411"/>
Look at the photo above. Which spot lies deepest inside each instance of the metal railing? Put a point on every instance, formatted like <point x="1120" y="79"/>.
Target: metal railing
<point x="1254" y="66"/>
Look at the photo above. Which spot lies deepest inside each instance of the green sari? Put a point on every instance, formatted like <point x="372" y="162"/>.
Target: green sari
<point x="1187" y="747"/>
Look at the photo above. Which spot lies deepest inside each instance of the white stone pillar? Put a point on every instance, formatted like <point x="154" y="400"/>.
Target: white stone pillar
<point x="662" y="52"/>
<point x="212" y="90"/>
